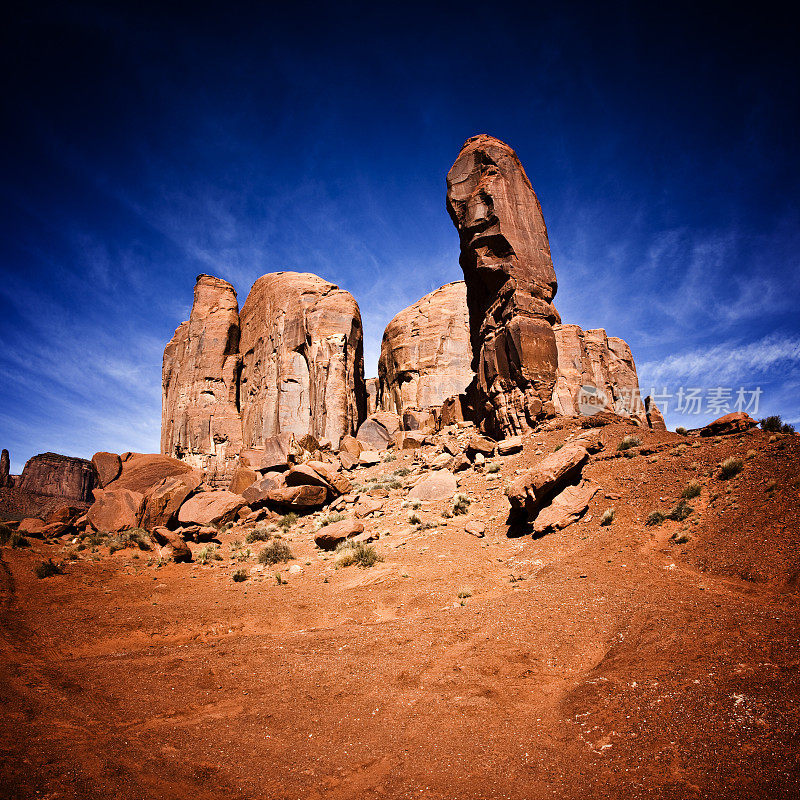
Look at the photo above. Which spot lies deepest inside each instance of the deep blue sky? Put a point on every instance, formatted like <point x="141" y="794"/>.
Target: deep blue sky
<point x="144" y="146"/>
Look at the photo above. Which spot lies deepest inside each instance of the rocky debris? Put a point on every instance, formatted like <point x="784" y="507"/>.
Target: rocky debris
<point x="5" y="467"/>
<point x="58" y="476"/>
<point x="304" y="475"/>
<point x="276" y="453"/>
<point x="439" y="485"/>
<point x="367" y="506"/>
<point x="411" y="440"/>
<point x="509" y="446"/>
<point x="107" y="467"/>
<point x="373" y="436"/>
<point x="256" y="494"/>
<point x="454" y="410"/>
<point x="420" y="421"/>
<point x="200" y="421"/>
<point x="161" y="502"/>
<point x="595" y="373"/>
<point x="511" y="283"/>
<point x="655" y="419"/>
<point x="328" y="537"/>
<point x="340" y="483"/>
<point x="347" y="461"/>
<point x="475" y="528"/>
<point x="32" y="526"/>
<point x="482" y="445"/>
<point x="142" y="471"/>
<point x="737" y="422"/>
<point x="351" y="446"/>
<point x="298" y="497"/>
<point x="65" y="515"/>
<point x="425" y="353"/>
<point x="531" y="490"/>
<point x="460" y="462"/>
<point x="242" y="478"/>
<point x="302" y="359"/>
<point x="369" y="458"/>
<point x="115" y="510"/>
<point x="565" y="508"/>
<point x="180" y="552"/>
<point x="443" y="460"/>
<point x="210" y="508"/>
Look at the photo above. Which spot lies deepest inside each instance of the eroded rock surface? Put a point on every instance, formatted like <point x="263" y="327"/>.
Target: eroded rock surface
<point x="511" y="283"/>
<point x="58" y="476"/>
<point x="5" y="466"/>
<point x="426" y="355"/>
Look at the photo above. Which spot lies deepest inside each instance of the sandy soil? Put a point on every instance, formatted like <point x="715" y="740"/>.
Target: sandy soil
<point x="591" y="662"/>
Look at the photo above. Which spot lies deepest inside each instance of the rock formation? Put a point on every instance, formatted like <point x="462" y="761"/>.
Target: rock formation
<point x="302" y="360"/>
<point x="292" y="363"/>
<point x="58" y="476"/>
<point x="200" y="421"/>
<point x="591" y="360"/>
<point x="511" y="283"/>
<point x="425" y="353"/>
<point x="5" y="469"/>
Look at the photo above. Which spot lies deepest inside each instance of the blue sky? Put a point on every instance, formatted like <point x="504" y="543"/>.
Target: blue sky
<point x="146" y="145"/>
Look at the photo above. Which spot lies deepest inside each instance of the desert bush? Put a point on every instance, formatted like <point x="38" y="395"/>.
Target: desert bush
<point x="389" y="457"/>
<point x="465" y="593"/>
<point x="330" y="519"/>
<point x="492" y="467"/>
<point x="628" y="442"/>
<point x="608" y="516"/>
<point x="414" y="519"/>
<point x="730" y="467"/>
<point x="772" y="424"/>
<point x="136" y="537"/>
<point x="413" y="504"/>
<point x="350" y="552"/>
<point x="240" y="575"/>
<point x="692" y="490"/>
<point x="47" y="568"/>
<point x="787" y="428"/>
<point x="402" y="472"/>
<point x="276" y="552"/>
<point x="208" y="553"/>
<point x="558" y="447"/>
<point x="261" y="534"/>
<point x="680" y="511"/>
<point x="287" y="520"/>
<point x="681" y="430"/>
<point x="681" y="538"/>
<point x="461" y="504"/>
<point x="655" y="518"/>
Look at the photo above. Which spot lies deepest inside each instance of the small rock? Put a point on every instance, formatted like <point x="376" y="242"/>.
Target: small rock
<point x="475" y="528"/>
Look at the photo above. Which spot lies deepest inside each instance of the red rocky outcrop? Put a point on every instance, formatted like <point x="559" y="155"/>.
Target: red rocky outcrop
<point x="58" y="476"/>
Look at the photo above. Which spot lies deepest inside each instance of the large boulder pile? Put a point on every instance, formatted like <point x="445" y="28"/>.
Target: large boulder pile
<point x="426" y="355"/>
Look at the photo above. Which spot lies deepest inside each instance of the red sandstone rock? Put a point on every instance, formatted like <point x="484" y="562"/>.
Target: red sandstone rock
<point x="58" y="476"/>
<point x="5" y="466"/>
<point x="439" y="485"/>
<point x="210" y="508"/>
<point x="351" y="445"/>
<point x="32" y="526"/>
<point x="142" y="471"/>
<point x="200" y="418"/>
<point x="162" y="502"/>
<point x="115" y="510"/>
<point x="107" y="467"/>
<point x="299" y="497"/>
<point x="256" y="494"/>
<point x="655" y="419"/>
<point x="331" y="535"/>
<point x="242" y="478"/>
<point x="511" y="283"/>
<point x="565" y="508"/>
<point x="373" y="436"/>
<point x="736" y="422"/>
<point x="425" y="354"/>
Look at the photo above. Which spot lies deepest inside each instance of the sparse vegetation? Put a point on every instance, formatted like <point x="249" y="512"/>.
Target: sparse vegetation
<point x="413" y="504"/>
<point x="208" y="553"/>
<point x="276" y="552"/>
<point x="492" y="467"/>
<point x="461" y="504"/>
<point x="655" y="518"/>
<point x="414" y="519"/>
<point x="608" y="516"/>
<point x="692" y="490"/>
<point x="136" y="537"/>
<point x="681" y="430"/>
<point x="240" y="575"/>
<point x="350" y="552"/>
<point x="47" y="568"/>
<point x="680" y="511"/>
<point x="279" y="579"/>
<point x="681" y="538"/>
<point x="628" y="442"/>
<point x="389" y="457"/>
<point x="558" y="447"/>
<point x="730" y="467"/>
<point x="261" y="534"/>
<point x="775" y="424"/>
<point x="402" y="472"/>
<point x="287" y="520"/>
<point x="465" y="593"/>
<point x="329" y="519"/>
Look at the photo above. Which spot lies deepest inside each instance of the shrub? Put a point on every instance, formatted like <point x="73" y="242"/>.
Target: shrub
<point x="243" y="555"/>
<point x="681" y="511"/>
<point x="330" y="518"/>
<point x="692" y="490"/>
<point x="275" y="552"/>
<point x="460" y="504"/>
<point x="558" y="447"/>
<point x="414" y="519"/>
<point x="492" y="467"/>
<point x="681" y="430"/>
<point x="655" y="518"/>
<point x="260" y="534"/>
<point x="240" y="575"/>
<point x="730" y="467"/>
<point x="402" y="472"/>
<point x="772" y="424"/>
<point x="287" y="520"/>
<point x="349" y="552"/>
<point x="608" y="516"/>
<point x="681" y="538"/>
<point x="414" y="504"/>
<point x="389" y="457"/>
<point x="208" y="553"/>
<point x="47" y="568"/>
<point x="137" y="537"/>
<point x="628" y="442"/>
<point x="465" y="593"/>
<point x="787" y="428"/>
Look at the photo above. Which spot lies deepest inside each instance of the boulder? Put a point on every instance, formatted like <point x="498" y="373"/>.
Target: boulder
<point x="275" y="454"/>
<point x="475" y="528"/>
<point x="442" y="460"/>
<point x="298" y="497"/>
<point x="210" y="508"/>
<point x="532" y="489"/>
<point x="373" y="436"/>
<point x="58" y="476"/>
<point x="426" y="354"/>
<point x="107" y="467"/>
<point x="511" y="283"/>
<point x="180" y="552"/>
<point x="32" y="526"/>
<point x="302" y="359"/>
<point x="480" y="444"/>
<point x="369" y="458"/>
<point x="200" y="421"/>
<point x="142" y="471"/>
<point x="351" y="445"/>
<point x="347" y="461"/>
<point x="439" y="485"/>
<point x="454" y="410"/>
<point x="340" y="483"/>
<point x="566" y="507"/>
<point x="256" y="493"/>
<point x="509" y="446"/>
<point x="162" y="502"/>
<point x="411" y="440"/>
<point x="330" y="536"/>
<point x="737" y="422"/>
<point x="304" y="475"/>
<point x="421" y="421"/>
<point x="115" y="510"/>
<point x="64" y="515"/>
<point x="367" y="506"/>
<point x="242" y="478"/>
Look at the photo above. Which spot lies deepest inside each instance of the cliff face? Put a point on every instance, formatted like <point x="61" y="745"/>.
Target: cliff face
<point x="302" y="360"/>
<point x="58" y="476"/>
<point x="511" y="283"/>
<point x="425" y="353"/>
<point x="292" y="363"/>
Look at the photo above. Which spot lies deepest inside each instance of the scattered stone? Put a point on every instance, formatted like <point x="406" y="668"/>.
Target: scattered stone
<point x="737" y="422"/>
<point x="367" y="506"/>
<point x="256" y="494"/>
<point x="482" y="445"/>
<point x="297" y="497"/>
<point x="350" y="445"/>
<point x="444" y="460"/>
<point x="32" y="526"/>
<point x="369" y="458"/>
<point x="180" y="552"/>
<point x="460" y="462"/>
<point x="242" y="478"/>
<point x="161" y="503"/>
